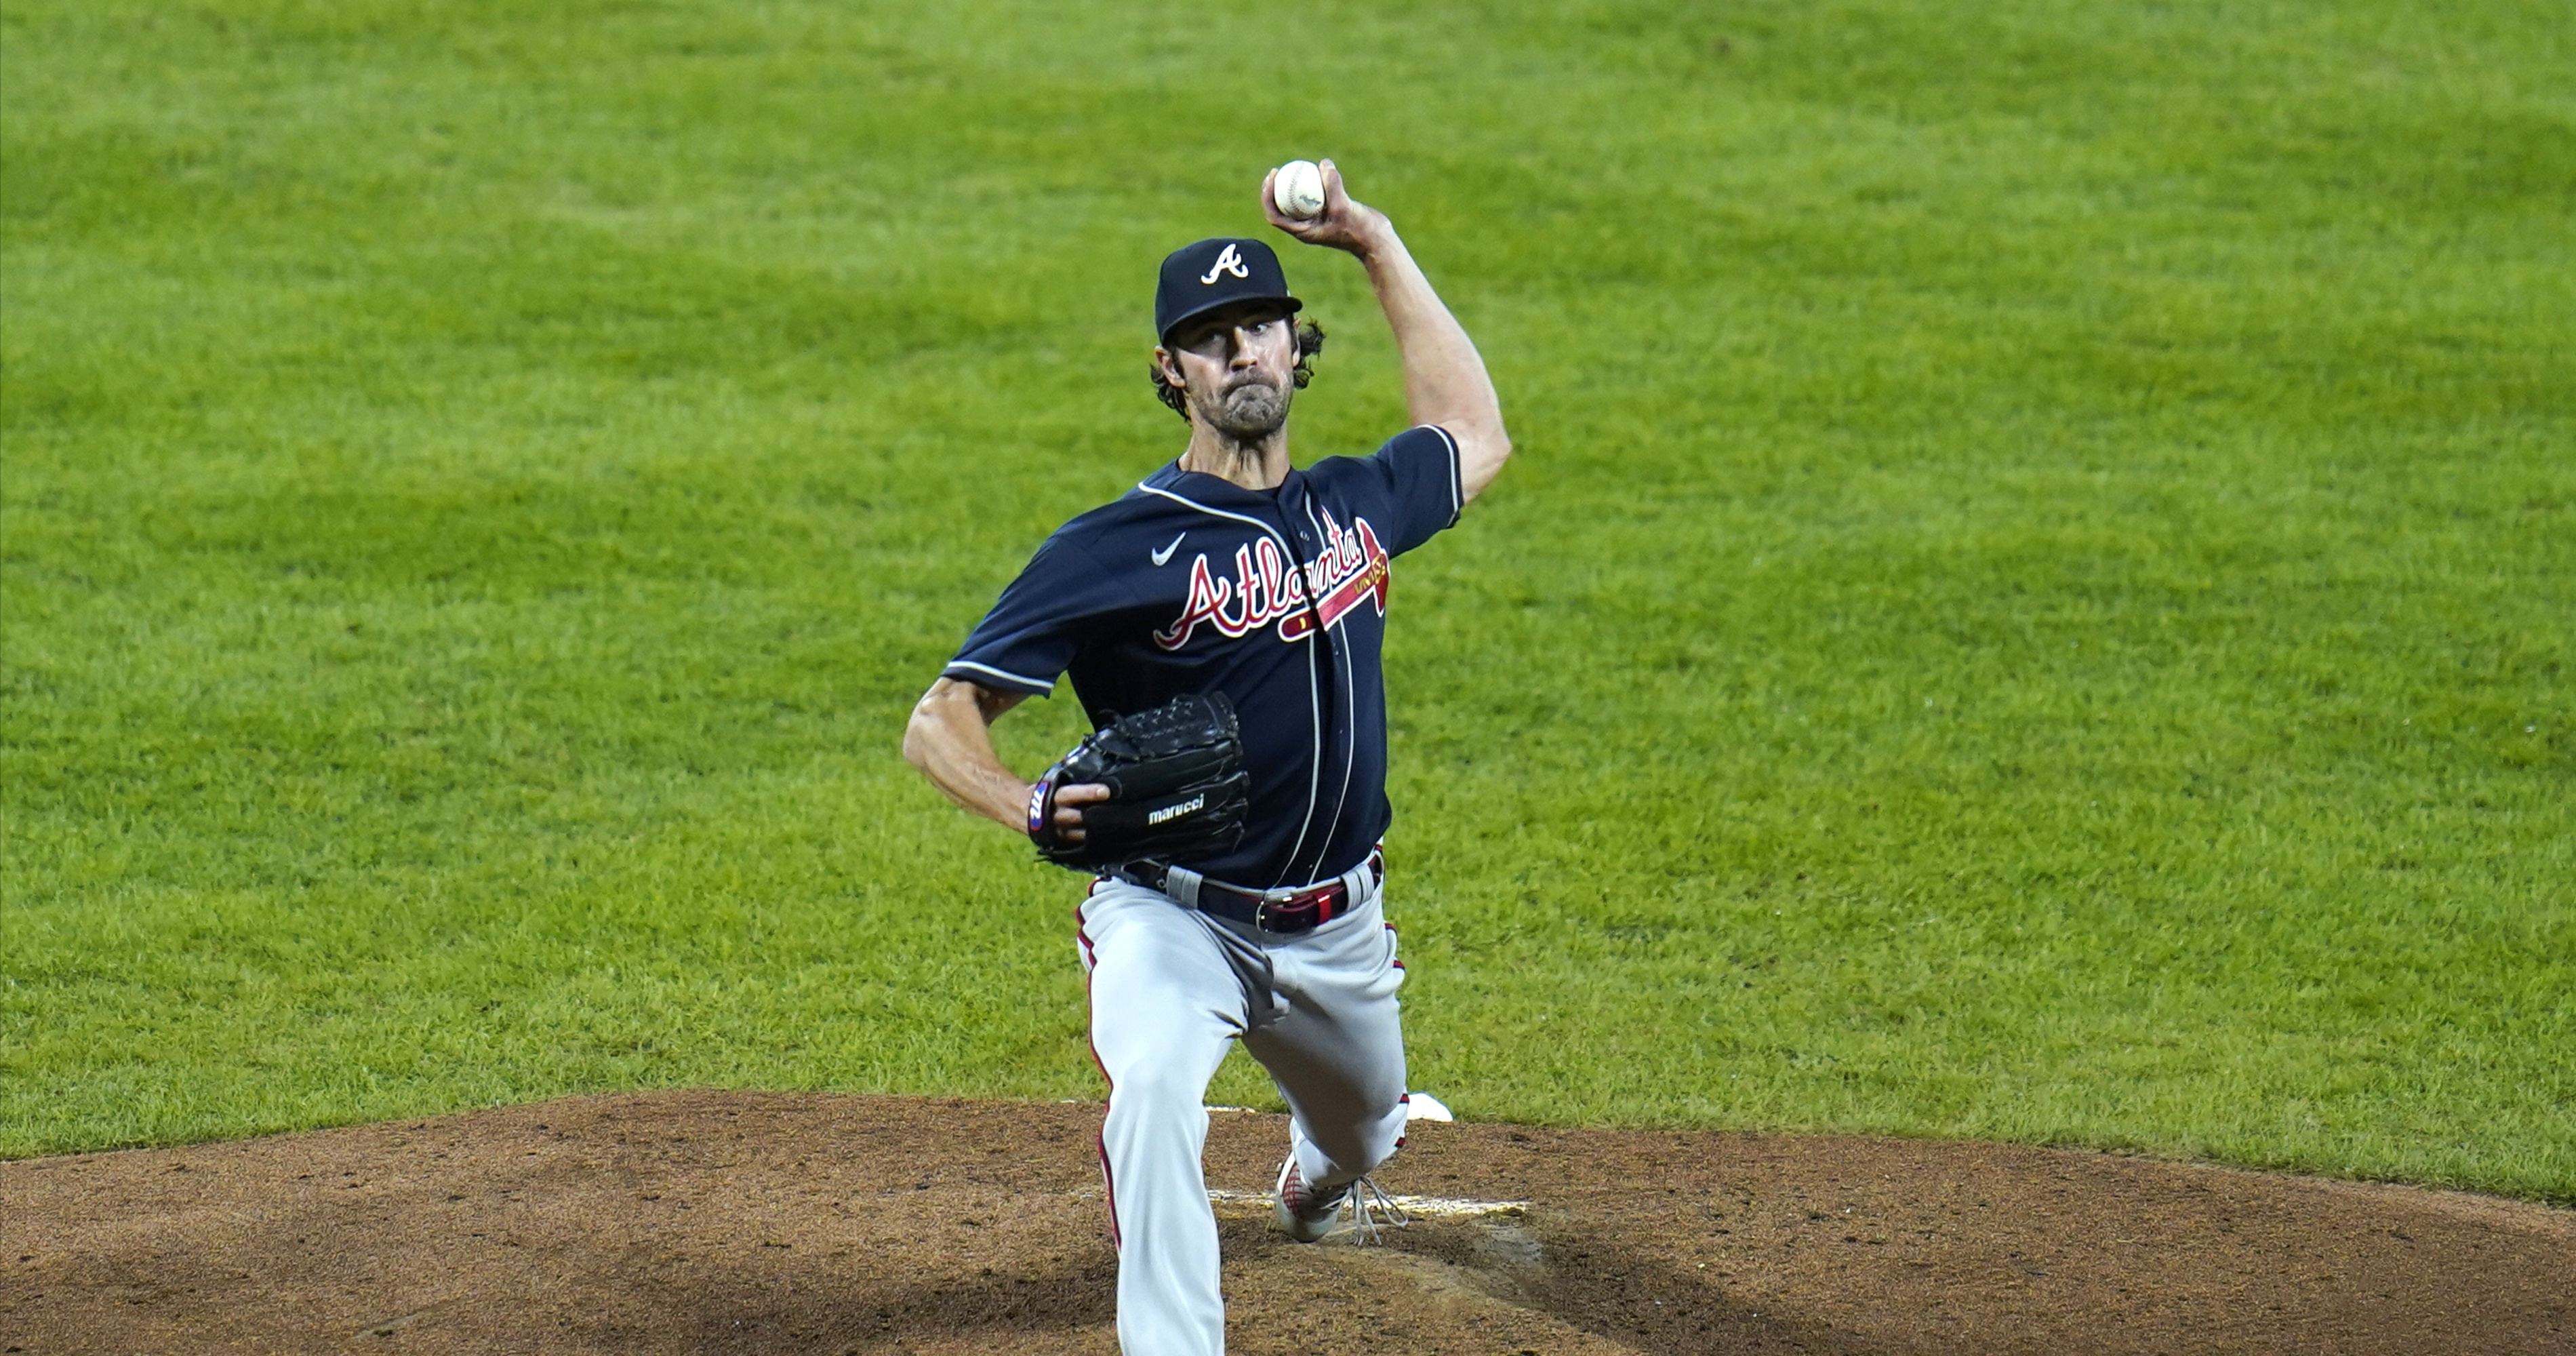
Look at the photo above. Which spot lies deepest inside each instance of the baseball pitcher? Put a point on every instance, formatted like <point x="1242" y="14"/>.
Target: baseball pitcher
<point x="1222" y="623"/>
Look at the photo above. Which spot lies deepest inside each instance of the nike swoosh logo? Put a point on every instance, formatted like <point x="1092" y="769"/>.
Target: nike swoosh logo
<point x="1166" y="553"/>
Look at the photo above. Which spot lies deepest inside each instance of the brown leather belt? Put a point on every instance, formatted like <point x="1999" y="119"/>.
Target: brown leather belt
<point x="1279" y="911"/>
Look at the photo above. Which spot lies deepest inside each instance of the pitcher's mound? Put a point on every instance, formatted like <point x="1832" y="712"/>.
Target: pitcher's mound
<point x="745" y="1222"/>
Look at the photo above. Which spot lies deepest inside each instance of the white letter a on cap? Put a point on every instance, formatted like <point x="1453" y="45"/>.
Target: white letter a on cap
<point x="1227" y="262"/>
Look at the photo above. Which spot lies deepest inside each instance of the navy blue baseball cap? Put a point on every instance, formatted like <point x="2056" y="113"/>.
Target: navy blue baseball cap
<point x="1199" y="278"/>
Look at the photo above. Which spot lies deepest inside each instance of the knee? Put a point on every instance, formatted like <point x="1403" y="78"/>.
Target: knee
<point x="1365" y="1147"/>
<point x="1156" y="1090"/>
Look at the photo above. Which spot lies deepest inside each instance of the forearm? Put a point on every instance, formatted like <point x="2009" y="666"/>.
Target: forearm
<point x="949" y="739"/>
<point x="1444" y="379"/>
<point x="1445" y="382"/>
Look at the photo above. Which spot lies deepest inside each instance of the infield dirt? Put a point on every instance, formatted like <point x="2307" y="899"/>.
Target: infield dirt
<point x="742" y="1222"/>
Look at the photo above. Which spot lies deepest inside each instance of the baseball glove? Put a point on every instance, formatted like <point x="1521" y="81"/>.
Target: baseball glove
<point x="1177" y="790"/>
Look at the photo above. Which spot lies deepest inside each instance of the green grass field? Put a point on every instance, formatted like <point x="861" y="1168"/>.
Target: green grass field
<point x="2037" y="600"/>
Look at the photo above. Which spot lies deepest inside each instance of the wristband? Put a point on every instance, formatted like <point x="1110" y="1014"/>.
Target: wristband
<point x="1039" y="795"/>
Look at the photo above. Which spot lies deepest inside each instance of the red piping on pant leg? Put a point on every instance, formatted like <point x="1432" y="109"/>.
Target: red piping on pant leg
<point x="1109" y="1190"/>
<point x="1108" y="1181"/>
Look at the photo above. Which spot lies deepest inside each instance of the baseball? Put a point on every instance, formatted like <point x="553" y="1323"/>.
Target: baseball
<point x="1299" y="190"/>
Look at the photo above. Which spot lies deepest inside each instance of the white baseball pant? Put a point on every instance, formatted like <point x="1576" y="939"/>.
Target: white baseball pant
<point x="1169" y="987"/>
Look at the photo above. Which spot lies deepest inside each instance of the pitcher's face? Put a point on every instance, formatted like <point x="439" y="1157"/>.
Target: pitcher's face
<point x="1237" y="365"/>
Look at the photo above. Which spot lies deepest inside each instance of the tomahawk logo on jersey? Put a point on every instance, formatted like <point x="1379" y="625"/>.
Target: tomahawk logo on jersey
<point x="1190" y="583"/>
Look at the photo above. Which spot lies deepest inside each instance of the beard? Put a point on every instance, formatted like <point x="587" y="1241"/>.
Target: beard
<point x="1246" y="413"/>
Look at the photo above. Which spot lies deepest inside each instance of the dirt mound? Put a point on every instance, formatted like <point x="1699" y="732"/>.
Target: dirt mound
<point x="742" y="1222"/>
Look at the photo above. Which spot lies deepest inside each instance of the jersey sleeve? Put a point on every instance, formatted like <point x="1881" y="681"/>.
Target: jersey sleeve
<point x="1418" y="469"/>
<point x="1046" y="616"/>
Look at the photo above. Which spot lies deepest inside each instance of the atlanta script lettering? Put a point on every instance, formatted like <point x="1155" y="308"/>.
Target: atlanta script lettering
<point x="1267" y="587"/>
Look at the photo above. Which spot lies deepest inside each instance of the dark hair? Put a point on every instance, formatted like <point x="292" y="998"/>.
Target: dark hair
<point x="1310" y="341"/>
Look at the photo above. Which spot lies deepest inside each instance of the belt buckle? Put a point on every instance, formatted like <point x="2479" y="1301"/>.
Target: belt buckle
<point x="1296" y="911"/>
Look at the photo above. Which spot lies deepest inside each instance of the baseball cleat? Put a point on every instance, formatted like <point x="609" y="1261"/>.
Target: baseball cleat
<point x="1306" y="1213"/>
<point x="1310" y="1215"/>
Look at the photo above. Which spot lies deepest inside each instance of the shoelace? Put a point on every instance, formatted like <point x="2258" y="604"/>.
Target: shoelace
<point x="1373" y="1210"/>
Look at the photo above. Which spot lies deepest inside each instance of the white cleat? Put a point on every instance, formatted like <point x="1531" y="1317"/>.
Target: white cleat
<point x="1307" y="1215"/>
<point x="1310" y="1215"/>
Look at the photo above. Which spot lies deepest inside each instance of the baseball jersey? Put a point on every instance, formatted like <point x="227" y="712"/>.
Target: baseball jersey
<point x="1277" y="598"/>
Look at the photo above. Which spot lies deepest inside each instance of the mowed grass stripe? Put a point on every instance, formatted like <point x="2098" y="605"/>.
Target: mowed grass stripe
<point x="2035" y="602"/>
